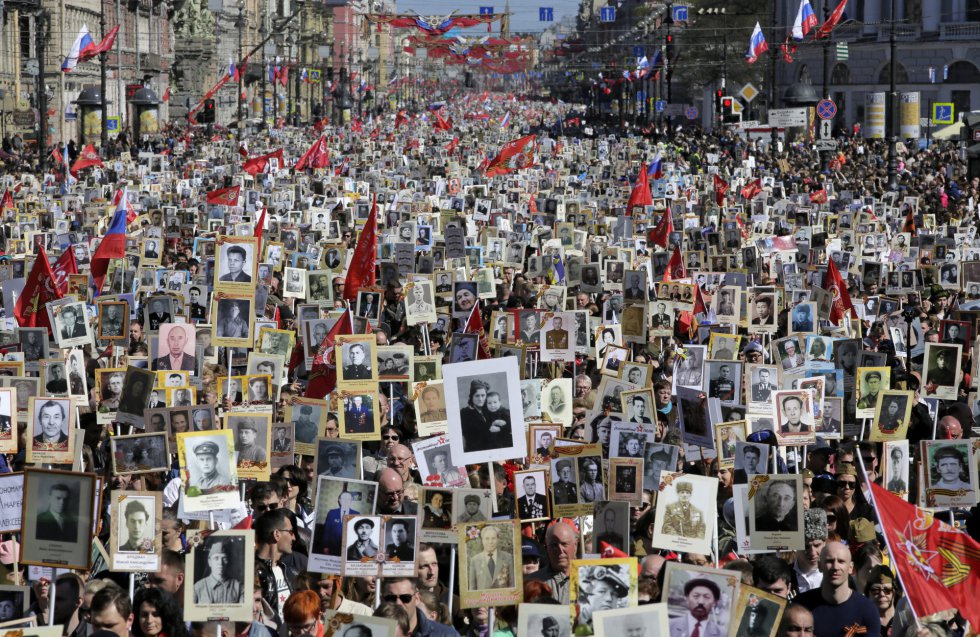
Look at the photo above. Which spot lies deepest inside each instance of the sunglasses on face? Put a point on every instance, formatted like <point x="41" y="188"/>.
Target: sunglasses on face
<point x="404" y="598"/>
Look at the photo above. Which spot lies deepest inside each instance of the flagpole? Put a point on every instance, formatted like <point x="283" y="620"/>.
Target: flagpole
<point x="891" y="551"/>
<point x="104" y="106"/>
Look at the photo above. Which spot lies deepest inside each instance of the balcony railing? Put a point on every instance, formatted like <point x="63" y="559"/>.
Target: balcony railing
<point x="959" y="31"/>
<point x="903" y="32"/>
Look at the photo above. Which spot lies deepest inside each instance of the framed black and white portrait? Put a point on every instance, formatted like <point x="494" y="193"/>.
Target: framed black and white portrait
<point x="57" y="519"/>
<point x="220" y="572"/>
<point x="484" y="411"/>
<point x="70" y="325"/>
<point x="135" y="537"/>
<point x="235" y="269"/>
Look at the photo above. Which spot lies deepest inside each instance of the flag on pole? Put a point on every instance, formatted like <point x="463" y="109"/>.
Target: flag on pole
<point x="104" y="46"/>
<point x="83" y="45"/>
<point x="65" y="265"/>
<point x="832" y="21"/>
<point x="224" y="196"/>
<point x="757" y="45"/>
<point x="656" y="170"/>
<point x="260" y="164"/>
<point x="515" y="155"/>
<point x="675" y="267"/>
<point x="939" y="566"/>
<point x="806" y="19"/>
<point x="750" y="190"/>
<point x="39" y="290"/>
<point x="640" y="195"/>
<point x="661" y="232"/>
<point x="323" y="371"/>
<point x="818" y="196"/>
<point x="361" y="273"/>
<point x="259" y="226"/>
<point x="317" y="156"/>
<point x="113" y="245"/>
<point x="88" y="157"/>
<point x="474" y="325"/>
<point x="721" y="189"/>
<point x="834" y="283"/>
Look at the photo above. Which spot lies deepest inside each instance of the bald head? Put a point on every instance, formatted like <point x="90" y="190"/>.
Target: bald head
<point x="561" y="542"/>
<point x="389" y="480"/>
<point x="836" y="565"/>
<point x="651" y="565"/>
<point x="949" y="427"/>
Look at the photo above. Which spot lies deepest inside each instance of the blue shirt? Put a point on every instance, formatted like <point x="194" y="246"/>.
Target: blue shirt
<point x="425" y="627"/>
<point x="833" y="620"/>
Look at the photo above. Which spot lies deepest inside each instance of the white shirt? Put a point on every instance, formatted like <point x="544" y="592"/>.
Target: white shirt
<point x="807" y="581"/>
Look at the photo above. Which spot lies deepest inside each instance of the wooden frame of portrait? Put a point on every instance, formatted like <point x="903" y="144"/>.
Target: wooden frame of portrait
<point x="65" y="545"/>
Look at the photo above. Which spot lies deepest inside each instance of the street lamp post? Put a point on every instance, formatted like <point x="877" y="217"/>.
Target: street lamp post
<point x="892" y="108"/>
<point x="265" y="73"/>
<point x="240" y="23"/>
<point x="773" y="141"/>
<point x="104" y="133"/>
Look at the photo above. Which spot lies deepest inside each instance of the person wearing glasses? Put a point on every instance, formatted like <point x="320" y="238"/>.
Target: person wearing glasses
<point x="301" y="614"/>
<point x="403" y="591"/>
<point x="274" y="535"/>
<point x="371" y="464"/>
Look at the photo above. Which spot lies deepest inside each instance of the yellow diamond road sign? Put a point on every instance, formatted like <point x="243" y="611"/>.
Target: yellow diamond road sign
<point x="748" y="93"/>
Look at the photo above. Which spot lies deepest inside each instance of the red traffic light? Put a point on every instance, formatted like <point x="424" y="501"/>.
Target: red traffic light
<point x="718" y="93"/>
<point x="726" y="103"/>
<point x="670" y="39"/>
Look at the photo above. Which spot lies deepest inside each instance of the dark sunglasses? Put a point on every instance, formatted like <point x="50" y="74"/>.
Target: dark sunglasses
<point x="404" y="598"/>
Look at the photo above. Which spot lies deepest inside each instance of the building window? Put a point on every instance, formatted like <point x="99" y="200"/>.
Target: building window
<point x="840" y="75"/>
<point x="962" y="72"/>
<point x="901" y="75"/>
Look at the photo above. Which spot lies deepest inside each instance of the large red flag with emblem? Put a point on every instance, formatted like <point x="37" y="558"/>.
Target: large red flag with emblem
<point x="752" y="189"/>
<point x="260" y="164"/>
<point x="818" y="196"/>
<point x="224" y="196"/>
<point x="88" y="157"/>
<point x="513" y="156"/>
<point x="323" y="372"/>
<point x="661" y="232"/>
<point x="40" y="288"/>
<point x="317" y="156"/>
<point x="361" y="272"/>
<point x="939" y="566"/>
<point x="834" y="283"/>
<point x="675" y="267"/>
<point x="65" y="265"/>
<point x="640" y="195"/>
<point x="721" y="189"/>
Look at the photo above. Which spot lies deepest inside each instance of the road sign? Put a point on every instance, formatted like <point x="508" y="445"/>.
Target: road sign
<point x="486" y="10"/>
<point x="639" y="51"/>
<point x="24" y="118"/>
<point x="680" y="13"/>
<point x="661" y="105"/>
<point x="787" y="117"/>
<point x="826" y="129"/>
<point x="691" y="112"/>
<point x="737" y="107"/>
<point x="825" y="144"/>
<point x="748" y="93"/>
<point x="607" y="14"/>
<point x="112" y="124"/>
<point x="826" y="109"/>
<point x="942" y="113"/>
<point x="546" y="14"/>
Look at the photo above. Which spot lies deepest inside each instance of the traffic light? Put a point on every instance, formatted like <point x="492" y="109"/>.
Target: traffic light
<point x="207" y="112"/>
<point x="718" y="95"/>
<point x="728" y="114"/>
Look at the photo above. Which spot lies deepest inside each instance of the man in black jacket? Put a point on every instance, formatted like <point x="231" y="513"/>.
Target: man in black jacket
<point x="274" y="535"/>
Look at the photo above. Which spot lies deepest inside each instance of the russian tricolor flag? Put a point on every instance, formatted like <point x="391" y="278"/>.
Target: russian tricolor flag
<point x="83" y="45"/>
<point x="656" y="170"/>
<point x="757" y="44"/>
<point x="113" y="245"/>
<point x="232" y="70"/>
<point x="505" y="120"/>
<point x="806" y="19"/>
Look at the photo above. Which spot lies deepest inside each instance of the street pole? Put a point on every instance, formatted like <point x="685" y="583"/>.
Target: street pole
<point x="103" y="61"/>
<point x="42" y="97"/>
<point x="265" y="77"/>
<point x="892" y="108"/>
<point x="773" y="141"/>
<point x="825" y="154"/>
<point x="241" y="75"/>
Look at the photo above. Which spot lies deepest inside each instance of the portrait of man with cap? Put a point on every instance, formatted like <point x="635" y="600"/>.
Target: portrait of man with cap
<point x="563" y="489"/>
<point x="549" y="625"/>
<point x="700" y="597"/>
<point x="305" y="425"/>
<point x="208" y="474"/>
<point x="871" y="385"/>
<point x="363" y="545"/>
<point x="471" y="510"/>
<point x="332" y="462"/>
<point x="659" y="459"/>
<point x="682" y="518"/>
<point x="942" y="369"/>
<point x="218" y="586"/>
<point x="602" y="588"/>
<point x="247" y="446"/>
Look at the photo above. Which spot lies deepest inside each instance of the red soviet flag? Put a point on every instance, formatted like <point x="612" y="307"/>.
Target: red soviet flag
<point x="88" y="157"/>
<point x="752" y="189"/>
<point x="513" y="156"/>
<point x="939" y="566"/>
<point x="257" y="165"/>
<point x="361" y="272"/>
<point x="640" y="195"/>
<point x="40" y="289"/>
<point x="675" y="267"/>
<point x="819" y="196"/>
<point x="474" y="325"/>
<point x="65" y="265"/>
<point x="318" y="156"/>
<point x="224" y="196"/>
<point x="661" y="232"/>
<point x="721" y="189"/>
<point x="323" y="372"/>
<point x="834" y="283"/>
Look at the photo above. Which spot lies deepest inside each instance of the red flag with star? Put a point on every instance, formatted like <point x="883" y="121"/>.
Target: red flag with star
<point x="721" y="189"/>
<point x="40" y="289"/>
<point x="88" y="157"/>
<point x="661" y="232"/>
<point x="474" y="325"/>
<point x="640" y="195"/>
<point x="514" y="155"/>
<point x="834" y="283"/>
<point x="323" y="372"/>
<point x="675" y="267"/>
<point x="752" y="189"/>
<point x="361" y="273"/>
<point x="224" y="196"/>
<point x="65" y="265"/>
<point x="939" y="566"/>
<point x="819" y="196"/>
<point x="318" y="156"/>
